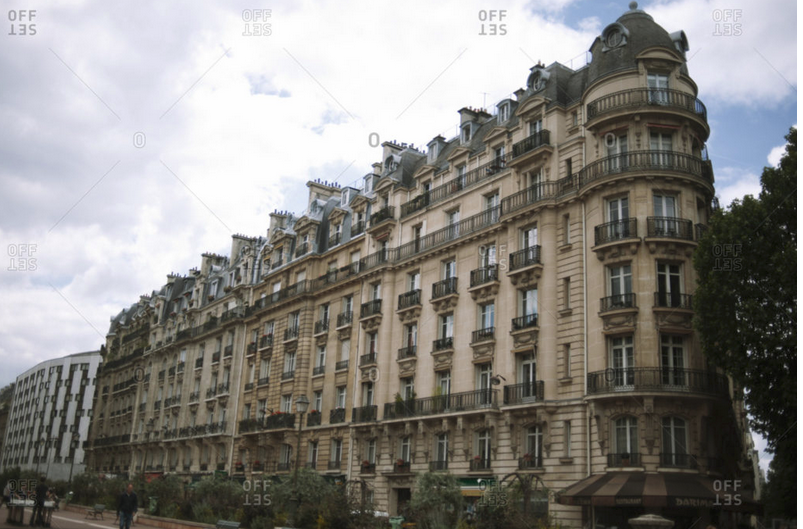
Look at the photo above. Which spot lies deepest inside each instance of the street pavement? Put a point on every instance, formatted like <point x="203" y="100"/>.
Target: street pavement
<point x="65" y="520"/>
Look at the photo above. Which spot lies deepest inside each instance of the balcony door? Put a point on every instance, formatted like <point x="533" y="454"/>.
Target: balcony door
<point x="664" y="208"/>
<point x="673" y="361"/>
<point x="488" y="255"/>
<point x="622" y="362"/>
<point x="527" y="377"/>
<point x="674" y="446"/>
<point x="659" y="86"/>
<point x="626" y="438"/>
<point x="669" y="285"/>
<point x="442" y="449"/>
<point x="660" y="147"/>
<point x="620" y="286"/>
<point x="484" y="374"/>
<point x="616" y="147"/>
<point x="534" y="446"/>
<point x="618" y="212"/>
<point x="484" y="447"/>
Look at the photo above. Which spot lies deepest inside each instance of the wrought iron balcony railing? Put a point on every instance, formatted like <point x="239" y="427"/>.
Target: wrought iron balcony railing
<point x="618" y="301"/>
<point x="444" y="287"/>
<point x="453" y="402"/>
<point x="670" y="227"/>
<point x="624" y="459"/>
<point x="409" y="299"/>
<point x="524" y="393"/>
<point x="484" y="274"/>
<point x="616" y="380"/>
<point x="524" y="322"/>
<point x="532" y="142"/>
<point x="646" y="98"/>
<point x="526" y="257"/>
<point x="617" y="230"/>
<point x="674" y="300"/>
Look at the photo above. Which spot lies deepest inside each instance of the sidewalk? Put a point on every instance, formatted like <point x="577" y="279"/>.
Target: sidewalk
<point x="63" y="519"/>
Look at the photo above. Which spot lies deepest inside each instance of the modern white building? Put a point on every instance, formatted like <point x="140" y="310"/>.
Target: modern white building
<point x="50" y="415"/>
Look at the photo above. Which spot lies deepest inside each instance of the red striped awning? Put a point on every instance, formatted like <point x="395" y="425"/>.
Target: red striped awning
<point x="638" y="489"/>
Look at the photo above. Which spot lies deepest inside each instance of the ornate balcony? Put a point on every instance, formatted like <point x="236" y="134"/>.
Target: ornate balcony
<point x="371" y="308"/>
<point x="407" y="352"/>
<point x="337" y="415"/>
<point x="341" y="365"/>
<point x="647" y="100"/>
<point x="482" y="335"/>
<point x="531" y="462"/>
<point x="524" y="393"/>
<point x="657" y="379"/>
<point x="321" y="327"/>
<point x="410" y="299"/>
<point x="266" y="341"/>
<point x="436" y="466"/>
<point x="467" y="401"/>
<point x="617" y="302"/>
<point x="368" y="360"/>
<point x="344" y="319"/>
<point x="646" y="162"/>
<point x="528" y="321"/>
<point x="363" y="414"/>
<point x="381" y="215"/>
<point x="480" y="464"/>
<point x="291" y="333"/>
<point x="529" y="146"/>
<point x="525" y="266"/>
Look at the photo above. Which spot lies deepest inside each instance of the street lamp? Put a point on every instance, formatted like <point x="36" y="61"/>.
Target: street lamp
<point x="74" y="446"/>
<point x="302" y="403"/>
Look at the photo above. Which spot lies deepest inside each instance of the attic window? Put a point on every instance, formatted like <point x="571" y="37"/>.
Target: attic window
<point x="504" y="112"/>
<point x="344" y="198"/>
<point x="433" y="152"/>
<point x="614" y="36"/>
<point x="465" y="136"/>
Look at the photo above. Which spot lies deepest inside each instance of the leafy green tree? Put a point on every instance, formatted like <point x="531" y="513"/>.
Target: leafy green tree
<point x="746" y="307"/>
<point x="436" y="502"/>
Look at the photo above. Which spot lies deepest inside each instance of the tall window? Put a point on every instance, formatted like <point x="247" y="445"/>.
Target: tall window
<point x="673" y="361"/>
<point x="484" y="446"/>
<point x="368" y="394"/>
<point x="337" y="450"/>
<point x="527" y="375"/>
<point x="536" y="126"/>
<point x="617" y="212"/>
<point x="411" y="335"/>
<point x="312" y="453"/>
<point x="534" y="446"/>
<point x="446" y="327"/>
<point x="620" y="286"/>
<point x="285" y="455"/>
<point x="293" y="320"/>
<point x="449" y="269"/>
<point x="407" y="388"/>
<point x="669" y="285"/>
<point x="528" y="302"/>
<point x="658" y="84"/>
<point x="287" y="403"/>
<point x="487" y="316"/>
<point x="317" y="400"/>
<point x="348" y="304"/>
<point x="626" y="436"/>
<point x="404" y="449"/>
<point x="529" y="237"/>
<point x="616" y="147"/>
<point x="323" y="312"/>
<point x="340" y="400"/>
<point x="345" y="348"/>
<point x="372" y="342"/>
<point x="376" y="291"/>
<point x="674" y="447"/>
<point x="488" y="256"/>
<point x="442" y="448"/>
<point x="413" y="281"/>
<point x="492" y="205"/>
<point x="453" y="221"/>
<point x="320" y="358"/>
<point x="445" y="382"/>
<point x="660" y="145"/>
<point x="370" y="452"/>
<point x="621" y="351"/>
<point x="289" y="362"/>
<point x="484" y="372"/>
<point x="664" y="208"/>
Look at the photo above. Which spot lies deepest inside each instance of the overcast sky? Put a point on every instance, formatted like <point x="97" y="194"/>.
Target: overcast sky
<point x="138" y="135"/>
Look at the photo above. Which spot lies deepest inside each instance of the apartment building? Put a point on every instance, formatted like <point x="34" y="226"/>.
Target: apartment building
<point x="514" y="302"/>
<point x="48" y="420"/>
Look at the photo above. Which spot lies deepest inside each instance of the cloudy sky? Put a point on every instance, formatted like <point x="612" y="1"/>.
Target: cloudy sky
<point x="138" y="135"/>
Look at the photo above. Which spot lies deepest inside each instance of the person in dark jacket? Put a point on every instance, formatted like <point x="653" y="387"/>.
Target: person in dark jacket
<point x="127" y="506"/>
<point x="37" y="516"/>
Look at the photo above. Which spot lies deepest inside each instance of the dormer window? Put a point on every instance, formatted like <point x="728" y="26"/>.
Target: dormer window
<point x="369" y="183"/>
<point x="504" y="112"/>
<point x="433" y="152"/>
<point x="465" y="135"/>
<point x="344" y="198"/>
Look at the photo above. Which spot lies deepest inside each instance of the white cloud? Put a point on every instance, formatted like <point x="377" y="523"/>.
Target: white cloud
<point x="775" y="155"/>
<point x="766" y="65"/>
<point x="734" y="182"/>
